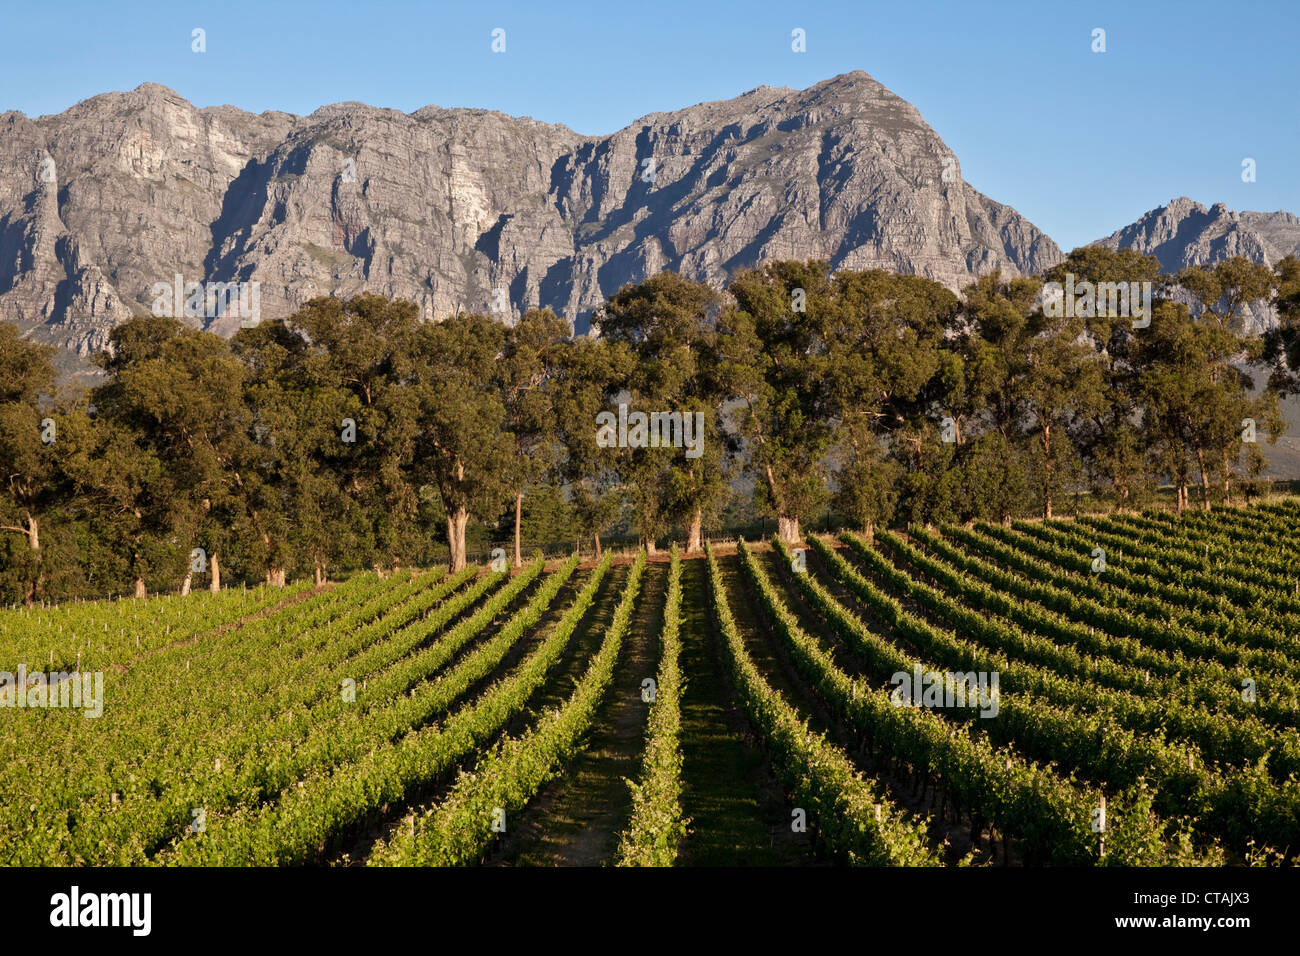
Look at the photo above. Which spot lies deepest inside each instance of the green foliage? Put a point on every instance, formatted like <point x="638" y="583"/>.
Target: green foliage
<point x="351" y="434"/>
<point x="657" y="828"/>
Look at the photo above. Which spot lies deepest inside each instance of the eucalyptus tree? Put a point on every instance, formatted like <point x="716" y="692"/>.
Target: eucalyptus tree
<point x="774" y="357"/>
<point x="528" y="368"/>
<point x="888" y="366"/>
<point x="457" y="439"/>
<point x="176" y="429"/>
<point x="1225" y="350"/>
<point x="589" y="373"/>
<point x="301" y="513"/>
<point x="670" y="326"/>
<point x="1107" y="432"/>
<point x="1037" y="375"/>
<point x="32" y="484"/>
<point x="357" y="369"/>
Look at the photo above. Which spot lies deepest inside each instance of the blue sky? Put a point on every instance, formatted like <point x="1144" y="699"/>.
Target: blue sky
<point x="1082" y="143"/>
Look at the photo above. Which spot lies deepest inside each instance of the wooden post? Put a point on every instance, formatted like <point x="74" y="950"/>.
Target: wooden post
<point x="1102" y="844"/>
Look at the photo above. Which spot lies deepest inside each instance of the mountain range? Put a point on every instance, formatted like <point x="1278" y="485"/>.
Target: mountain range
<point x="471" y="209"/>
<point x="124" y="195"/>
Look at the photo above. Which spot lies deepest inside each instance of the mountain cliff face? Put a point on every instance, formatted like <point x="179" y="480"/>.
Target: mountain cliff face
<point x="470" y="209"/>
<point x="1185" y="233"/>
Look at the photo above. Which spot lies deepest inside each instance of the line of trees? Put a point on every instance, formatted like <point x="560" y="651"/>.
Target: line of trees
<point x="353" y="434"/>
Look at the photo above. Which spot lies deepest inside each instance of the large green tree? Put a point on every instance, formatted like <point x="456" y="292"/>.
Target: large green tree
<point x="887" y="363"/>
<point x="774" y="357"/>
<point x="173" y="404"/>
<point x="302" y="516"/>
<point x="1038" y="376"/>
<point x="670" y="326"/>
<point x="359" y="365"/>
<point x="29" y="433"/>
<point x="460" y="443"/>
<point x="1107" y="431"/>
<point x="587" y="377"/>
<point x="1214" y="350"/>
<point x="527" y="368"/>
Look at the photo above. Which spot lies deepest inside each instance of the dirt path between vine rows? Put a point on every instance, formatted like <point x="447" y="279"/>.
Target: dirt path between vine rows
<point x="578" y="818"/>
<point x="739" y="814"/>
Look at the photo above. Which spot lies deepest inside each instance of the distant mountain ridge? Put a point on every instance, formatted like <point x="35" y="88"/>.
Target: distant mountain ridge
<point x="1184" y="233"/>
<point x="472" y="209"/>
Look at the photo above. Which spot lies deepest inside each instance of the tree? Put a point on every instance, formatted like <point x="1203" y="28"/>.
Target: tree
<point x="887" y="364"/>
<point x="868" y="480"/>
<point x="1107" y="430"/>
<point x="301" y="514"/>
<point x="527" y="369"/>
<point x="1226" y="350"/>
<point x="774" y="357"/>
<point x="361" y="355"/>
<point x="1282" y="343"/>
<point x="1193" y="398"/>
<point x="174" y="403"/>
<point x="993" y="478"/>
<point x="587" y="376"/>
<point x="460" y="443"/>
<point x="28" y="438"/>
<point x="1038" y="375"/>
<point x="669" y="325"/>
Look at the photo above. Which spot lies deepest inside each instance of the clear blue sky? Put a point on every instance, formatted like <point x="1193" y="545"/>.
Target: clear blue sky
<point x="1080" y="142"/>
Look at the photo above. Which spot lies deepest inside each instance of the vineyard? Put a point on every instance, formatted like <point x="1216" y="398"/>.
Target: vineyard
<point x="1138" y="705"/>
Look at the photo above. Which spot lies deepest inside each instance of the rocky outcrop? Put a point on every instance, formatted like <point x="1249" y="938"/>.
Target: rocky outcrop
<point x="470" y="209"/>
<point x="1185" y="233"/>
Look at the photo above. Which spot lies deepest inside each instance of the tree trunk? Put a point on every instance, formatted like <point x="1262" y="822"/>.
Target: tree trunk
<point x="215" y="584"/>
<point x="598" y="548"/>
<point x="788" y="529"/>
<point x="1205" y="479"/>
<point x="320" y="575"/>
<point x="649" y="545"/>
<point x="1047" y="469"/>
<point x="1227" y="478"/>
<point x="33" y="532"/>
<point x="519" y="512"/>
<point x="140" y="591"/>
<point x="457" y="521"/>
<point x="869" y="531"/>
<point x="187" y="583"/>
<point x="695" y="534"/>
<point x="275" y="577"/>
<point x="1182" y="496"/>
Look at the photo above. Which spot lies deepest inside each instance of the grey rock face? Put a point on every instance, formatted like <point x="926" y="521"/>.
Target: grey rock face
<point x="470" y="209"/>
<point x="1185" y="233"/>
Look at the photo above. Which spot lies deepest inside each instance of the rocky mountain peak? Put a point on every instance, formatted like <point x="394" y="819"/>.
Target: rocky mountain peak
<point x="1184" y="233"/>
<point x="473" y="209"/>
